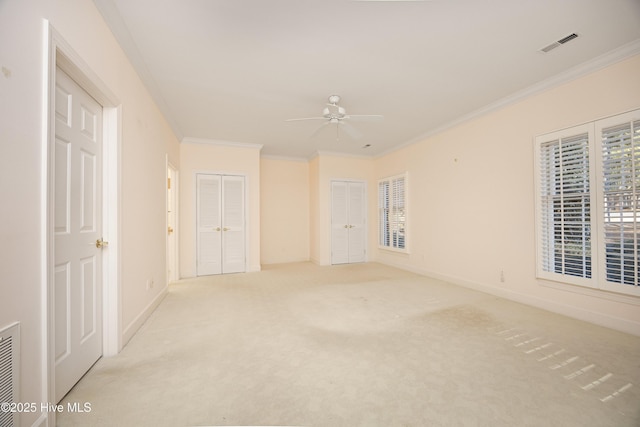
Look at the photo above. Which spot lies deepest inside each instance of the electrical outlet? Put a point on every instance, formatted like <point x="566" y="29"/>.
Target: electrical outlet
<point x="149" y="284"/>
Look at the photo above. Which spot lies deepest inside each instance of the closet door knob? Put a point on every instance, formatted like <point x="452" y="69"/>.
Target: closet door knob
<point x="100" y="244"/>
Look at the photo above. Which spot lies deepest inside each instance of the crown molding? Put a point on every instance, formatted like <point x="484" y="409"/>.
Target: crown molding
<point x="610" y="58"/>
<point x="220" y="143"/>
<point x="284" y="158"/>
<point x="338" y="154"/>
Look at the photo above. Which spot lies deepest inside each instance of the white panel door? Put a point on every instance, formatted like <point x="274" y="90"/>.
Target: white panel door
<point x="209" y="224"/>
<point x="220" y="222"/>
<point x="357" y="222"/>
<point x="233" y="223"/>
<point x="348" y="222"/>
<point x="172" y="210"/>
<point x="339" y="222"/>
<point x="77" y="212"/>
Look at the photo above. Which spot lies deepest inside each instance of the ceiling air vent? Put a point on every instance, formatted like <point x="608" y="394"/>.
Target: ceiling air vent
<point x="559" y="43"/>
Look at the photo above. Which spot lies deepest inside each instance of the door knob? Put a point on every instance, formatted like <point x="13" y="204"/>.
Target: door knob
<point x="346" y="226"/>
<point x="225" y="229"/>
<point x="170" y="230"/>
<point x="217" y="229"/>
<point x="100" y="244"/>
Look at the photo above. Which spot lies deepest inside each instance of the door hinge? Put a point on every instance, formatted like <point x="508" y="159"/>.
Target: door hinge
<point x="168" y="183"/>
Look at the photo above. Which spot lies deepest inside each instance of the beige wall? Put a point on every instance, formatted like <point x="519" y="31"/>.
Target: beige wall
<point x="284" y="211"/>
<point x="314" y="208"/>
<point x="471" y="195"/>
<point x="471" y="187"/>
<point x="146" y="139"/>
<point x="217" y="159"/>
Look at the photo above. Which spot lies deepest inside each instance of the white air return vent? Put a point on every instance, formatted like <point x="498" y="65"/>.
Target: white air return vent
<point x="9" y="369"/>
<point x="559" y="43"/>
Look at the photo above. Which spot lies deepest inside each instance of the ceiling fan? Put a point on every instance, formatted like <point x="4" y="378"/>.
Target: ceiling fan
<point x="337" y="115"/>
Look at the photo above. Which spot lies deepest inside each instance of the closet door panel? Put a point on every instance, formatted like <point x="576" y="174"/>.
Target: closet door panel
<point x="233" y="225"/>
<point x="209" y="224"/>
<point x="357" y="222"/>
<point x="339" y="223"/>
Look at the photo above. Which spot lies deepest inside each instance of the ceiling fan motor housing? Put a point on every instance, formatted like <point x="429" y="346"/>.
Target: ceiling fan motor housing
<point x="339" y="113"/>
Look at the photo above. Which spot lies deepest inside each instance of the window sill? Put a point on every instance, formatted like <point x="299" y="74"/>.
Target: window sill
<point x="589" y="291"/>
<point x="394" y="250"/>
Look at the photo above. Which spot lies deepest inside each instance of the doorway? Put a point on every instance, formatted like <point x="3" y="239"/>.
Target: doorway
<point x="172" y="223"/>
<point x="82" y="286"/>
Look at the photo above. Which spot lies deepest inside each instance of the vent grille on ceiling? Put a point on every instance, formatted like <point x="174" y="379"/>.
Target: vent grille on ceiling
<point x="9" y="362"/>
<point x="559" y="43"/>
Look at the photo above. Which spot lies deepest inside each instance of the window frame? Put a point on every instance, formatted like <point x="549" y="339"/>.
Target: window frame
<point x="598" y="279"/>
<point x="382" y="225"/>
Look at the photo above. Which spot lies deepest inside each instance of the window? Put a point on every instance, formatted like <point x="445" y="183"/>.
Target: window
<point x="566" y="203"/>
<point x="392" y="212"/>
<point x="588" y="204"/>
<point x="621" y="201"/>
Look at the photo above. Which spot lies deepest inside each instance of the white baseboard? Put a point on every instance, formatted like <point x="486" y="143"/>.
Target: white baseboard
<point x="133" y="327"/>
<point x="289" y="261"/>
<point x="601" y="319"/>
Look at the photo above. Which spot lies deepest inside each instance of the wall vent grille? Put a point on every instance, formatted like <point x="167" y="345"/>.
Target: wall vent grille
<point x="9" y="370"/>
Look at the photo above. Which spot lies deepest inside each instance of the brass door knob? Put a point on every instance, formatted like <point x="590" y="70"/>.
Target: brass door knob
<point x="169" y="230"/>
<point x="100" y="244"/>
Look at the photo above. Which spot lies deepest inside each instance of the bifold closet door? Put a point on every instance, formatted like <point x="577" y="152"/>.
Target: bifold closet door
<point x="209" y="224"/>
<point x="220" y="219"/>
<point x="348" y="222"/>
<point x="233" y="223"/>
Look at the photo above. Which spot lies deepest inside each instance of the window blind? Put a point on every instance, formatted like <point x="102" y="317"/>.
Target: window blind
<point x="392" y="212"/>
<point x="621" y="188"/>
<point x="383" y="213"/>
<point x="566" y="206"/>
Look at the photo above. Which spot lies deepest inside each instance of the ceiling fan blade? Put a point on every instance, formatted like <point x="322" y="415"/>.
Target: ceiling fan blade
<point x="350" y="130"/>
<point x="317" y="131"/>
<point x="306" y="118"/>
<point x="364" y="117"/>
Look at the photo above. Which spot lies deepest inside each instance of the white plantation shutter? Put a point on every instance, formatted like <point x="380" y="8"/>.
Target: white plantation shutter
<point x="384" y="203"/>
<point x="397" y="213"/>
<point x="620" y="176"/>
<point x="566" y="206"/>
<point x="392" y="212"/>
<point x="588" y="204"/>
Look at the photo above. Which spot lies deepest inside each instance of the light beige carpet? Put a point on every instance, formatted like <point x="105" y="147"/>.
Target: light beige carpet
<point x="358" y="345"/>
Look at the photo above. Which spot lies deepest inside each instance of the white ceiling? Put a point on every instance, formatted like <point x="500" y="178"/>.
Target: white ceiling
<point x="234" y="70"/>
